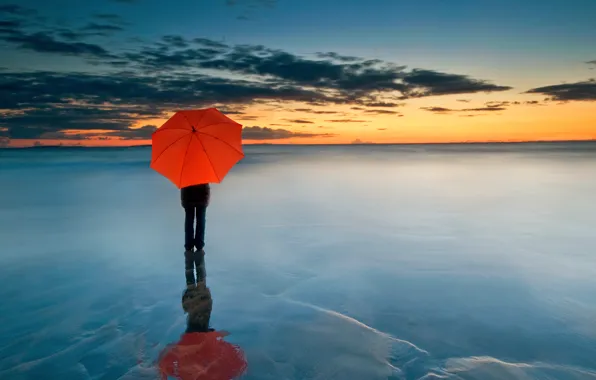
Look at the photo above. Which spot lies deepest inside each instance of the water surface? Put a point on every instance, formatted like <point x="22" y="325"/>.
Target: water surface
<point x="346" y="262"/>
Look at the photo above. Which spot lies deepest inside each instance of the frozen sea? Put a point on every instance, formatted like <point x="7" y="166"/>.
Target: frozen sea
<point x="345" y="262"/>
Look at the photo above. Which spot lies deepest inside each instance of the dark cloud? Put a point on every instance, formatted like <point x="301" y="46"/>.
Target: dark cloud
<point x="591" y="62"/>
<point x="578" y="91"/>
<point x="479" y="109"/>
<point x="429" y="82"/>
<point x="533" y="103"/>
<point x="102" y="29"/>
<point x="175" y="41"/>
<point x="346" y="121"/>
<point x="358" y="82"/>
<point x="265" y="133"/>
<point x="443" y="110"/>
<point x="437" y="109"/>
<point x="299" y="121"/>
<point x="382" y="104"/>
<point x="169" y="74"/>
<point x="496" y="104"/>
<point x="338" y="57"/>
<point x="381" y="129"/>
<point x="210" y="43"/>
<point x="16" y="10"/>
<point x="46" y="43"/>
<point x="310" y="110"/>
<point x="46" y="101"/>
<point x="464" y="100"/>
<point x="381" y="112"/>
<point x="142" y="133"/>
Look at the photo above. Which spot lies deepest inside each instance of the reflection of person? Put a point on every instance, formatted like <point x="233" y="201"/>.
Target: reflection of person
<point x="201" y="352"/>
<point x="195" y="200"/>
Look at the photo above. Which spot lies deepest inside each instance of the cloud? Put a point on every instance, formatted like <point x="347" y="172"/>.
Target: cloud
<point x="430" y="82"/>
<point x="16" y="10"/>
<point x="381" y="129"/>
<point x="591" y="62"/>
<point x="209" y="43"/>
<point x="359" y="82"/>
<point x="464" y="100"/>
<point x="102" y="29"/>
<point x="338" y="57"/>
<point x="479" y="109"/>
<point x="4" y="141"/>
<point x="381" y="104"/>
<point x="346" y="121"/>
<point x="175" y="41"/>
<point x="171" y="73"/>
<point x="265" y="133"/>
<point x="45" y="43"/>
<point x="310" y="110"/>
<point x="381" y="112"/>
<point x="578" y="91"/>
<point x="299" y="121"/>
<point x="142" y="133"/>
<point x="443" y="110"/>
<point x="437" y="109"/>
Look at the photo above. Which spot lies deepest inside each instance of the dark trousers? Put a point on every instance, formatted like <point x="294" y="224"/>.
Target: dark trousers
<point x="194" y="237"/>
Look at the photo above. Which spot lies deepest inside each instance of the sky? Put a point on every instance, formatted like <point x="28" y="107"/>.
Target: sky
<point x="109" y="72"/>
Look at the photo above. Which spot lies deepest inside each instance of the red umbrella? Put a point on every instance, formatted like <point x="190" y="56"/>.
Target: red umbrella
<point x="196" y="146"/>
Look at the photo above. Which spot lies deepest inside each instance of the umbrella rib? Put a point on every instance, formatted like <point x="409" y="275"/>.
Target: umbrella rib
<point x="198" y="122"/>
<point x="184" y="162"/>
<point x="166" y="148"/>
<point x="209" y="158"/>
<point x="223" y="141"/>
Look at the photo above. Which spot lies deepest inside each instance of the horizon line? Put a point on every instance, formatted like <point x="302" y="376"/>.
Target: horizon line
<point x="335" y="144"/>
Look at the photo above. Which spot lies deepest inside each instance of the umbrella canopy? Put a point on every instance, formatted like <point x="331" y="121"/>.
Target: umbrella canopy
<point x="196" y="146"/>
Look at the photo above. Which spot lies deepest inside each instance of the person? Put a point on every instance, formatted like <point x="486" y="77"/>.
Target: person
<point x="195" y="200"/>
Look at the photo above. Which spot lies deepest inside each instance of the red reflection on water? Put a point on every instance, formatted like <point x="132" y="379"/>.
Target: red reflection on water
<point x="202" y="355"/>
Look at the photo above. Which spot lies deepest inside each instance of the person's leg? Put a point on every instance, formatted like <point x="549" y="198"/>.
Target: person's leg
<point x="188" y="244"/>
<point x="199" y="255"/>
<point x="189" y="221"/>
<point x="199" y="242"/>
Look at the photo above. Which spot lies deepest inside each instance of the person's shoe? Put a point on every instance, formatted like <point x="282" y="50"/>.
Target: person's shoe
<point x="189" y="269"/>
